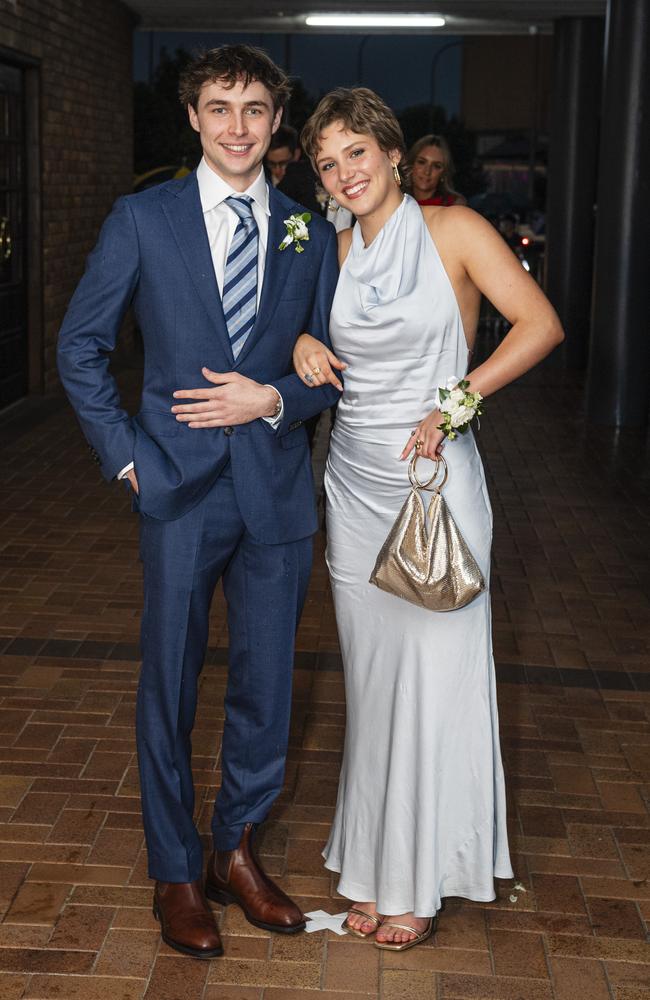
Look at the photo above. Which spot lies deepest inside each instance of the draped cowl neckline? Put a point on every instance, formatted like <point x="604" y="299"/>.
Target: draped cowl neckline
<point x="387" y="268"/>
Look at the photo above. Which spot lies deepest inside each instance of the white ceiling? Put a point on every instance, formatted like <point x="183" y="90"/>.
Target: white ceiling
<point x="463" y="16"/>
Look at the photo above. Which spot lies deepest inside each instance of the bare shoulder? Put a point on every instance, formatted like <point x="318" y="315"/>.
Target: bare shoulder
<point x="461" y="227"/>
<point x="454" y="217"/>
<point x="345" y="241"/>
<point x="430" y="213"/>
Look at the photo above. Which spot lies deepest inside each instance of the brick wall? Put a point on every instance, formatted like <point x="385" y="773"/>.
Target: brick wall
<point x="85" y="53"/>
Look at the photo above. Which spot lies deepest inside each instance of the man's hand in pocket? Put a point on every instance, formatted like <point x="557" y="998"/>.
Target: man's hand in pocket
<point x="133" y="479"/>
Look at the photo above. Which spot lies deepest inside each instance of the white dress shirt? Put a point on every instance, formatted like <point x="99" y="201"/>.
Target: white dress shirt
<point x="220" y="223"/>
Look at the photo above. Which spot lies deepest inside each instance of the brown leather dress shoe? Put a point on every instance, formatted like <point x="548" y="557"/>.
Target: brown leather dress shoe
<point x="237" y="877"/>
<point x="186" y="921"/>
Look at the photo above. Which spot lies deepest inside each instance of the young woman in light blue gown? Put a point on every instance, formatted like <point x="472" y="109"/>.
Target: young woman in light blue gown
<point x="421" y="805"/>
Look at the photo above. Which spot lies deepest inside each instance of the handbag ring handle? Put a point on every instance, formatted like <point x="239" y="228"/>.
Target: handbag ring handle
<point x="415" y="482"/>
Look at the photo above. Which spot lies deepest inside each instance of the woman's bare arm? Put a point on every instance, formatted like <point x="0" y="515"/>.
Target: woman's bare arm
<point x="473" y="251"/>
<point x="491" y="266"/>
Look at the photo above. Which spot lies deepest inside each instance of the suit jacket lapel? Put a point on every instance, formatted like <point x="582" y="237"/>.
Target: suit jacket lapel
<point x="185" y="216"/>
<point x="276" y="271"/>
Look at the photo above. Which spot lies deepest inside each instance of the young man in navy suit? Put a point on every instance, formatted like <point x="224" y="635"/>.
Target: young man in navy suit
<point x="218" y="463"/>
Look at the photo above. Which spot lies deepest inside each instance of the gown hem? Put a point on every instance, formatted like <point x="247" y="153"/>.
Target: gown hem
<point x="359" y="893"/>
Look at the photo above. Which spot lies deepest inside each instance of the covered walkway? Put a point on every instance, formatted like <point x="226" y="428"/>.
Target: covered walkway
<point x="572" y="624"/>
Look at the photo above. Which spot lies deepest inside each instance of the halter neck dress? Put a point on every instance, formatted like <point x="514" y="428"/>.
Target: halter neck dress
<point x="421" y="803"/>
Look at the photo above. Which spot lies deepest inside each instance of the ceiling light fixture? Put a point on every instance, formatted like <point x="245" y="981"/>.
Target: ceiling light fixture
<point x="374" y="21"/>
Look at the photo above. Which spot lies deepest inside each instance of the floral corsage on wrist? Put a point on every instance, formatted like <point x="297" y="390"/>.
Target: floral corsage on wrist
<point x="458" y="406"/>
<point x="297" y="232"/>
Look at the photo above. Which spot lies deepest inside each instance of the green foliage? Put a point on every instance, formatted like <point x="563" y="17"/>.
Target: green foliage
<point x="162" y="132"/>
<point x="301" y="105"/>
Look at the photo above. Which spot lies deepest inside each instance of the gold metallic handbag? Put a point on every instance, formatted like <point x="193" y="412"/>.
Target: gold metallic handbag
<point x="425" y="559"/>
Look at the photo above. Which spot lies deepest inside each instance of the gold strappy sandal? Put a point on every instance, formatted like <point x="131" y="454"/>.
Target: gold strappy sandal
<point x="405" y="945"/>
<point x="373" y="918"/>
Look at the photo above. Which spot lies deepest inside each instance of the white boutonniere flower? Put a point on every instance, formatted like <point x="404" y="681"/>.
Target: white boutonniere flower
<point x="297" y="232"/>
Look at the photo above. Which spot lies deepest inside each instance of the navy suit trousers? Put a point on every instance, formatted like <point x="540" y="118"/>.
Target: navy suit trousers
<point x="264" y="587"/>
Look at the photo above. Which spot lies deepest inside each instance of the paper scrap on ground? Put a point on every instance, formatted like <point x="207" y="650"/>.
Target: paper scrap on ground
<point x="318" y="920"/>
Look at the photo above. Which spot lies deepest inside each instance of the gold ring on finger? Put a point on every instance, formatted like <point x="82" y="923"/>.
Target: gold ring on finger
<point x="418" y="444"/>
<point x="316" y="371"/>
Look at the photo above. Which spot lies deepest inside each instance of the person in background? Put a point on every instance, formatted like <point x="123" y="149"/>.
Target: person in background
<point x="341" y="218"/>
<point x="429" y="169"/>
<point x="281" y="153"/>
<point x="508" y="229"/>
<point x="289" y="172"/>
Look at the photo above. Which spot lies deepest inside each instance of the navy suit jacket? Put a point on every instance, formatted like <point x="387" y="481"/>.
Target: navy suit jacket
<point x="153" y="252"/>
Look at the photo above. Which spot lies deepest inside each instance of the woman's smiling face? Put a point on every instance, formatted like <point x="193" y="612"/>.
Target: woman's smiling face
<point x="354" y="170"/>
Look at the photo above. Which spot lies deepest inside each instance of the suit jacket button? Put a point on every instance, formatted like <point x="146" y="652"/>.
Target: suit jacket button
<point x="228" y="431"/>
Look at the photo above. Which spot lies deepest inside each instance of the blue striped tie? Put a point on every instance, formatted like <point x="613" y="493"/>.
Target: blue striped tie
<point x="239" y="296"/>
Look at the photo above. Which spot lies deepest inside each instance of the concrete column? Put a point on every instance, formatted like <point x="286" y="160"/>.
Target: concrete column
<point x="578" y="51"/>
<point x="618" y="382"/>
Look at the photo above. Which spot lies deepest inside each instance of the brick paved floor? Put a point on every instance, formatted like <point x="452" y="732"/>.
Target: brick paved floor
<point x="571" y="610"/>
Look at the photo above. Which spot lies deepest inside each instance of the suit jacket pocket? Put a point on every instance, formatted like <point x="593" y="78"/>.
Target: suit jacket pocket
<point x="293" y="438"/>
<point x="158" y="423"/>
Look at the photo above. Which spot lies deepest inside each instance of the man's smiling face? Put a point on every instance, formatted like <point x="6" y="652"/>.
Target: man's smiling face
<point x="235" y="124"/>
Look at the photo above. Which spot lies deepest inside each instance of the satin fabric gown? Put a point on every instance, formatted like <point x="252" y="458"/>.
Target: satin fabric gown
<point x="421" y="802"/>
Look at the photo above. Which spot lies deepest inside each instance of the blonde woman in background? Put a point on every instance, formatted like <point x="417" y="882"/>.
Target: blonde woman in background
<point x="429" y="169"/>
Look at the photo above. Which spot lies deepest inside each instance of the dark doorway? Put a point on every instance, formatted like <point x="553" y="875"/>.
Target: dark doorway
<point x="14" y="356"/>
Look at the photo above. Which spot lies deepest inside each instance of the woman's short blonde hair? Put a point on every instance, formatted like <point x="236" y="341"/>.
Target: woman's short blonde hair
<point x="360" y="110"/>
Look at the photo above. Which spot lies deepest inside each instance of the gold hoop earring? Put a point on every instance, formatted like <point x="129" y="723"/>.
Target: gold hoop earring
<point x="396" y="175"/>
<point x="332" y="204"/>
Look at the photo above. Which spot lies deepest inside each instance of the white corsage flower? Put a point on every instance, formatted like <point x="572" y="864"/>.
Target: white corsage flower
<point x="297" y="232"/>
<point x="461" y="415"/>
<point x="453" y="401"/>
<point x="451" y="383"/>
<point x="458" y="407"/>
